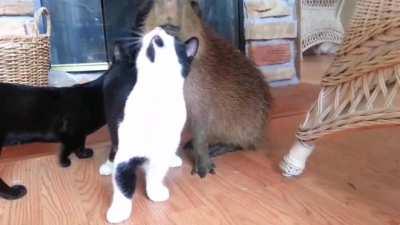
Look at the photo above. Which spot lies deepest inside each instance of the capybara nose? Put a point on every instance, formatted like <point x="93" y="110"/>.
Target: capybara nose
<point x="171" y="29"/>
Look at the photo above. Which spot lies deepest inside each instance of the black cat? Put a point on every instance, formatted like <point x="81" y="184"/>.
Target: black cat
<point x="48" y="114"/>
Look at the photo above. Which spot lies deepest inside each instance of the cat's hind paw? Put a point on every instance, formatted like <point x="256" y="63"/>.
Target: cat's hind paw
<point x="158" y="193"/>
<point x="65" y="162"/>
<point x="118" y="214"/>
<point x="84" y="153"/>
<point x="107" y="168"/>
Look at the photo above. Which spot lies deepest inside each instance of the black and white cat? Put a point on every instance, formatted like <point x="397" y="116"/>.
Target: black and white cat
<point x="147" y="121"/>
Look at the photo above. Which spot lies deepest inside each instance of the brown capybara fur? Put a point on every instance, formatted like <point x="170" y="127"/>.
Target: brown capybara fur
<point x="227" y="100"/>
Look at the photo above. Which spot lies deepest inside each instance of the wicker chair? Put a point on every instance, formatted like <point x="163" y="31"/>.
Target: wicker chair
<point x="321" y="22"/>
<point x="361" y="87"/>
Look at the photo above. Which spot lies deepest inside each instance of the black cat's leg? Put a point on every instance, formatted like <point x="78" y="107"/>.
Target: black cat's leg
<point x="66" y="150"/>
<point x="72" y="144"/>
<point x="220" y="149"/>
<point x="124" y="183"/>
<point x="82" y="152"/>
<point x="107" y="167"/>
<point x="13" y="192"/>
<point x="202" y="162"/>
<point x="2" y="136"/>
<point x="113" y="152"/>
<point x="7" y="192"/>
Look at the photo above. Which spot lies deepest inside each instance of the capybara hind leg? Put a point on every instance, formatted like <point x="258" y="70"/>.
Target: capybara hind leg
<point x="202" y="162"/>
<point x="220" y="149"/>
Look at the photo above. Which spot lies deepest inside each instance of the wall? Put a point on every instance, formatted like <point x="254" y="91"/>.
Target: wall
<point x="14" y="14"/>
<point x="16" y="7"/>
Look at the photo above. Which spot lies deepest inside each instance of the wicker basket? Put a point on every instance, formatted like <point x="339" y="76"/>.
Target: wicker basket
<point x="26" y="59"/>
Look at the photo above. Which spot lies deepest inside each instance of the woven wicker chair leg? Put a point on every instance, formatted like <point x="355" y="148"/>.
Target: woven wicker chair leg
<point x="294" y="163"/>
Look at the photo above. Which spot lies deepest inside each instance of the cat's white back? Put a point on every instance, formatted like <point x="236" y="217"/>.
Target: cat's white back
<point x="155" y="110"/>
<point x="154" y="116"/>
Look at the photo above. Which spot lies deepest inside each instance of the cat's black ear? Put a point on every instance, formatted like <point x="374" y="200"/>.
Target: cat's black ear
<point x="151" y="53"/>
<point x="196" y="7"/>
<point x="192" y="46"/>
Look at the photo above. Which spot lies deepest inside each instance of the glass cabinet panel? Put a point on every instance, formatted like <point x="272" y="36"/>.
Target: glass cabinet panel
<point x="222" y="15"/>
<point x="77" y="31"/>
<point x="83" y="31"/>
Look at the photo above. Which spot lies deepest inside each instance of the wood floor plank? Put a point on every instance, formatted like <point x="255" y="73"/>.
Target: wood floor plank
<point x="60" y="203"/>
<point x="26" y="174"/>
<point x="352" y="178"/>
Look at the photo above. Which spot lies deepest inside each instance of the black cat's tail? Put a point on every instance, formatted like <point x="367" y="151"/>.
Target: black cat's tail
<point x="125" y="176"/>
<point x="13" y="192"/>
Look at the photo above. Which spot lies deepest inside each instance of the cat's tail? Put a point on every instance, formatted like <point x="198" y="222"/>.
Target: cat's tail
<point x="124" y="182"/>
<point x="125" y="175"/>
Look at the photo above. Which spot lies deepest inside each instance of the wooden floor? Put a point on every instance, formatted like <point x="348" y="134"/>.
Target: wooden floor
<point x="314" y="66"/>
<point x="353" y="178"/>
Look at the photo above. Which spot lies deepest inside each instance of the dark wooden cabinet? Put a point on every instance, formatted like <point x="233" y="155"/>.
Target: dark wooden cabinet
<point x="84" y="31"/>
<point x="221" y="15"/>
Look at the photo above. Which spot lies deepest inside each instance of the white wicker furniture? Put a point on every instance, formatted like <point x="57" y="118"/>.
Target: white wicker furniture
<point x="321" y="22"/>
<point x="361" y="87"/>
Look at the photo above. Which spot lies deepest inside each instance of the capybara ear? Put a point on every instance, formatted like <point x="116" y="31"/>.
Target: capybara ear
<point x="192" y="46"/>
<point x="196" y="7"/>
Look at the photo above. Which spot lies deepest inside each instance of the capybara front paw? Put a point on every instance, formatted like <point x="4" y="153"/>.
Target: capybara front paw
<point x="203" y="167"/>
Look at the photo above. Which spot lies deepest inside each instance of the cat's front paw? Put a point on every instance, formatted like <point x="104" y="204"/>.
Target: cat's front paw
<point x="118" y="214"/>
<point x="65" y="162"/>
<point x="106" y="168"/>
<point x="175" y="162"/>
<point x="203" y="167"/>
<point x="84" y="153"/>
<point x="157" y="193"/>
